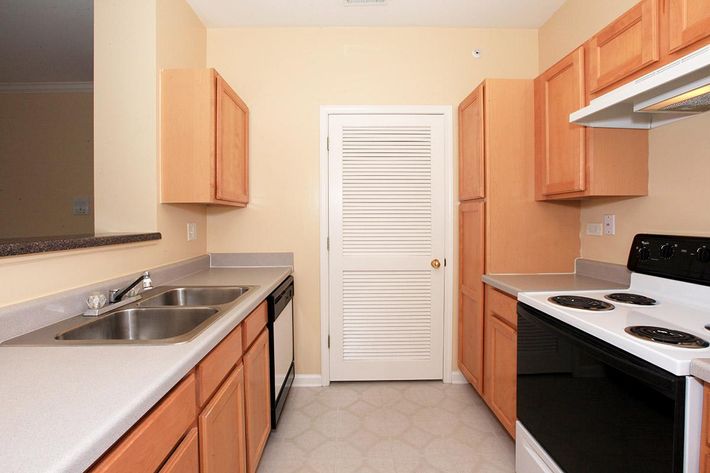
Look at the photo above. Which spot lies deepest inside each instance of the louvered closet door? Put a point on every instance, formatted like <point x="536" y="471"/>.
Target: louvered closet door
<point x="387" y="204"/>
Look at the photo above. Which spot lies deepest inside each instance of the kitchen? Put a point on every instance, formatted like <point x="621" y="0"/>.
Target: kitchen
<point x="269" y="64"/>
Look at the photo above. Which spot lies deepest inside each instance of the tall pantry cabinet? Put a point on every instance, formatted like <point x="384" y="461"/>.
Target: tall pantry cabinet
<point x="502" y="229"/>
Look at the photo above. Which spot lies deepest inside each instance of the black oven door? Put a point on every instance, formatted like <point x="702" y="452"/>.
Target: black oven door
<point x="593" y="407"/>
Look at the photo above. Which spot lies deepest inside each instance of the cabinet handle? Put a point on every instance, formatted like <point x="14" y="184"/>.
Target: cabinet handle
<point x="435" y="263"/>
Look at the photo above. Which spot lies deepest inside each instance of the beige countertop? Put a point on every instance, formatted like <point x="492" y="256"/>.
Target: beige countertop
<point x="64" y="406"/>
<point x="700" y="368"/>
<point x="515" y="283"/>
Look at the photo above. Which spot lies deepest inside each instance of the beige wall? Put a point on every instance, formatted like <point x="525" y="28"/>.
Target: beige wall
<point x="46" y="160"/>
<point x="133" y="39"/>
<point x="285" y="75"/>
<point x="678" y="161"/>
<point x="678" y="193"/>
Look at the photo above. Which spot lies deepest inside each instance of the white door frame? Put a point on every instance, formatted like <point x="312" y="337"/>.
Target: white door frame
<point x="325" y="112"/>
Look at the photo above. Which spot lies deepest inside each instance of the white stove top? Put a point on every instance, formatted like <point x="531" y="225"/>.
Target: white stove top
<point x="680" y="306"/>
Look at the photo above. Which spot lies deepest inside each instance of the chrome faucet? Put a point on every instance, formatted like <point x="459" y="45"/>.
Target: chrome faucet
<point x="116" y="295"/>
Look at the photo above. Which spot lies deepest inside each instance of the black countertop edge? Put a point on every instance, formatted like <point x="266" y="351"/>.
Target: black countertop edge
<point x="71" y="242"/>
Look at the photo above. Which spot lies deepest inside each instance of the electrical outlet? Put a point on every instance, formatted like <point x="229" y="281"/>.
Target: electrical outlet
<point x="594" y="229"/>
<point x="80" y="206"/>
<point x="610" y="224"/>
<point x="191" y="231"/>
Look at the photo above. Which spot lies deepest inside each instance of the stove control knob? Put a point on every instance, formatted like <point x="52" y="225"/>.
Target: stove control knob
<point x="703" y="254"/>
<point x="644" y="253"/>
<point x="667" y="250"/>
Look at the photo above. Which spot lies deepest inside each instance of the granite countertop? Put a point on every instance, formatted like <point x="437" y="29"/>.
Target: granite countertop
<point x="700" y="368"/>
<point x="23" y="246"/>
<point x="63" y="407"/>
<point x="515" y="283"/>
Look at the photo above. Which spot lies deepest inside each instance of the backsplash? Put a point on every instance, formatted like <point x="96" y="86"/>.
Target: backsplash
<point x="677" y="193"/>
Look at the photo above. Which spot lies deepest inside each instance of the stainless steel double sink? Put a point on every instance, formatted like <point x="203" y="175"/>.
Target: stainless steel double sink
<point x="164" y="315"/>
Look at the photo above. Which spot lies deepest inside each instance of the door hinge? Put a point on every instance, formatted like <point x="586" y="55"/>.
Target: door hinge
<point x="327" y="143"/>
<point x="327" y="243"/>
<point x="328" y="341"/>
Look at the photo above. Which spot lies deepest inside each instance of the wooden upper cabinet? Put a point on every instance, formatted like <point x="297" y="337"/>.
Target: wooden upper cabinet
<point x="560" y="145"/>
<point x="257" y="399"/>
<point x="471" y="268"/>
<point x="471" y="146"/>
<point x="627" y="45"/>
<point x="204" y="139"/>
<point x="687" y="23"/>
<point x="572" y="161"/>
<point x="221" y="424"/>
<point x="232" y="145"/>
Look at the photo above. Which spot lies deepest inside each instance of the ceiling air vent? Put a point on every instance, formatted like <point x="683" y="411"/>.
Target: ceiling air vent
<point x="364" y="3"/>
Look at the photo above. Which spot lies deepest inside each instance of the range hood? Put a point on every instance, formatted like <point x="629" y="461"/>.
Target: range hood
<point x="673" y="92"/>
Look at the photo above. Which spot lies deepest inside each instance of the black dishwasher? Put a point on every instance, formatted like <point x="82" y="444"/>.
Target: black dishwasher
<point x="280" y="323"/>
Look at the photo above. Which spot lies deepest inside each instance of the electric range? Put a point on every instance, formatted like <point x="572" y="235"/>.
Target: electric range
<point x="603" y="376"/>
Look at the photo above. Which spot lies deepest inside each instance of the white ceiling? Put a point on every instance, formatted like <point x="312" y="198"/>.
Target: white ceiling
<point x="474" y="13"/>
<point x="46" y="40"/>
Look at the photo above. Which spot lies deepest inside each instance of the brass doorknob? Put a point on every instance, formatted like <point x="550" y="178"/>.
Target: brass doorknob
<point x="435" y="263"/>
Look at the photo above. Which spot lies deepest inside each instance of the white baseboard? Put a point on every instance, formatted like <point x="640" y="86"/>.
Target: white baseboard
<point x="458" y="378"/>
<point x="307" y="381"/>
<point x="315" y="380"/>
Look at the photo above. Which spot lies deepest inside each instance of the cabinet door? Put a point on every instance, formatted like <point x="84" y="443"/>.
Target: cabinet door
<point x="471" y="267"/>
<point x="471" y="146"/>
<point x="232" y="142"/>
<point x="560" y="163"/>
<point x="627" y="45"/>
<point x="222" y="431"/>
<point x="688" y="22"/>
<point x="151" y="440"/>
<point x="186" y="457"/>
<point x="258" y="399"/>
<point x="705" y="433"/>
<point x="500" y="369"/>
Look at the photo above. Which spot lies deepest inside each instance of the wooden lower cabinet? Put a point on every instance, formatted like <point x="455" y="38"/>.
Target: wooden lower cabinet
<point x="227" y="435"/>
<point x="705" y="444"/>
<point x="471" y="340"/>
<point x="222" y="428"/>
<point x="500" y="358"/>
<point x="150" y="441"/>
<point x="186" y="457"/>
<point x="257" y="396"/>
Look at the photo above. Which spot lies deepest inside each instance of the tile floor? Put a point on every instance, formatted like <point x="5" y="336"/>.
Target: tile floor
<point x="388" y="427"/>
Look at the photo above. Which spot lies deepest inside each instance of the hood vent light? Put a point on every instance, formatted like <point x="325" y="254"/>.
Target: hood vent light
<point x="695" y="101"/>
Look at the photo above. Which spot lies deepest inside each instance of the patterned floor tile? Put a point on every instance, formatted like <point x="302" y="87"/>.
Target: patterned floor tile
<point x="388" y="427"/>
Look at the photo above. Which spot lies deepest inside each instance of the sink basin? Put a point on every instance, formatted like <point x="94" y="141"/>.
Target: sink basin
<point x="146" y="324"/>
<point x="165" y="315"/>
<point x="195" y="296"/>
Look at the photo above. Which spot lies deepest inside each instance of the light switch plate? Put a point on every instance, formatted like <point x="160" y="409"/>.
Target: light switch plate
<point x="191" y="231"/>
<point x="610" y="224"/>
<point x="594" y="229"/>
